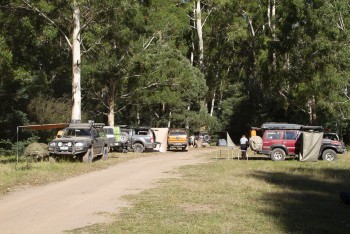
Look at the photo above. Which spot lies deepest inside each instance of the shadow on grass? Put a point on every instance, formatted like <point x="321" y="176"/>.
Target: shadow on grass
<point x="313" y="206"/>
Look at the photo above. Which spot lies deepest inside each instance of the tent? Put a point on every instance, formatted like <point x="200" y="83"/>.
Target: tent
<point x="224" y="139"/>
<point x="40" y="127"/>
<point x="229" y="141"/>
<point x="310" y="146"/>
<point x="162" y="138"/>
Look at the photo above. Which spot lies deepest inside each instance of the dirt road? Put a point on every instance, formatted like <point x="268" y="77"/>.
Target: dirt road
<point x="89" y="198"/>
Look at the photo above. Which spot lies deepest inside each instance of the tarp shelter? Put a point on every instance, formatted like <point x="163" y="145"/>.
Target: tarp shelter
<point x="162" y="138"/>
<point x="310" y="146"/>
<point x="224" y="135"/>
<point x="40" y="127"/>
<point x="229" y="141"/>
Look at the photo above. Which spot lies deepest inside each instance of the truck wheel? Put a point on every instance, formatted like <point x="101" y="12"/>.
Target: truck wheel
<point x="124" y="137"/>
<point x="255" y="143"/>
<point x="329" y="155"/>
<point x="89" y="155"/>
<point x="278" y="155"/>
<point x="138" y="148"/>
<point x="104" y="153"/>
<point x="206" y="138"/>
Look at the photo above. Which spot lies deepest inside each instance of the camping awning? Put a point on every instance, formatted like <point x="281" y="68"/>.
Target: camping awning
<point x="39" y="127"/>
<point x="44" y="126"/>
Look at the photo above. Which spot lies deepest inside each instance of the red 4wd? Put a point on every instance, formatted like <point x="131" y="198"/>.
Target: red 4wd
<point x="281" y="139"/>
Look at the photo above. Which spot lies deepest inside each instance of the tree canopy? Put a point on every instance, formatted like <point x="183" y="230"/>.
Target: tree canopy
<point x="146" y="63"/>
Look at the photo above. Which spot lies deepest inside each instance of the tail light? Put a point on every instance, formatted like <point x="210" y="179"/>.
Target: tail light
<point x="152" y="140"/>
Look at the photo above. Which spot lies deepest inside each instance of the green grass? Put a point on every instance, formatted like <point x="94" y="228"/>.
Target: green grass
<point x="223" y="196"/>
<point x="230" y="196"/>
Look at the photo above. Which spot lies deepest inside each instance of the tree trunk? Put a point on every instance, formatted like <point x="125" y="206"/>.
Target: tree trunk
<point x="76" y="87"/>
<point x="212" y="104"/>
<point x="273" y="31"/>
<point x="169" y="121"/>
<point x="311" y="104"/>
<point x="111" y="105"/>
<point x="199" y="28"/>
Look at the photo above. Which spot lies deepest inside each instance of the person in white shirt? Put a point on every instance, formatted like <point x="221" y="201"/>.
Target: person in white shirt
<point x="244" y="145"/>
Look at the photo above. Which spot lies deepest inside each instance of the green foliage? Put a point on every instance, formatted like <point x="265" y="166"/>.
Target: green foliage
<point x="138" y="55"/>
<point x="9" y="148"/>
<point x="44" y="110"/>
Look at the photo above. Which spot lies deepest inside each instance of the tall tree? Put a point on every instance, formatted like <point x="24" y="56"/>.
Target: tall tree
<point x="76" y="62"/>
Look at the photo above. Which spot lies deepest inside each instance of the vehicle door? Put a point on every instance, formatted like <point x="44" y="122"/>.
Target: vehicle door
<point x="99" y="138"/>
<point x="271" y="139"/>
<point x="290" y="141"/>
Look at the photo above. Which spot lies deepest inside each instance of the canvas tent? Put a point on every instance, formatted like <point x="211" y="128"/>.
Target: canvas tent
<point x="310" y="146"/>
<point x="162" y="138"/>
<point x="229" y="140"/>
<point x="226" y="137"/>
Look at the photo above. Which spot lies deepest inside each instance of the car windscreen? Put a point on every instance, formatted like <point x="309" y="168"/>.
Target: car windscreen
<point x="177" y="133"/>
<point x="74" y="132"/>
<point x="108" y="131"/>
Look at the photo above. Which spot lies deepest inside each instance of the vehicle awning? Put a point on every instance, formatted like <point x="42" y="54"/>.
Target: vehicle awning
<point x="39" y="127"/>
<point x="44" y="126"/>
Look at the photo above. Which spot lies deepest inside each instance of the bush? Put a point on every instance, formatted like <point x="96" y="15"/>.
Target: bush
<point x="8" y="148"/>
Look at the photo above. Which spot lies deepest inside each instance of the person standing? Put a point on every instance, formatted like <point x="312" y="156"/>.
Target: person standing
<point x="244" y="145"/>
<point x="192" y="141"/>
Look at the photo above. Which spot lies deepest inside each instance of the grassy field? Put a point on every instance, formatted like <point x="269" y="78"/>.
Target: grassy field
<point x="223" y="196"/>
<point x="230" y="196"/>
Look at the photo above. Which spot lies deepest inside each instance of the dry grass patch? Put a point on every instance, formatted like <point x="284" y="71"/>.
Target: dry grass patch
<point x="197" y="208"/>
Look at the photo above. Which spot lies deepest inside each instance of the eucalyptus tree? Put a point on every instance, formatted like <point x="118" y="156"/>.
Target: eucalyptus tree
<point x="314" y="54"/>
<point x="165" y="87"/>
<point x="111" y="42"/>
<point x="236" y="49"/>
<point x="170" y="85"/>
<point x="32" y="60"/>
<point x="45" y="9"/>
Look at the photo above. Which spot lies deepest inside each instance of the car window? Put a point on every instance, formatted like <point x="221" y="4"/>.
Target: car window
<point x="290" y="135"/>
<point x="141" y="132"/>
<point x="177" y="133"/>
<point x="94" y="133"/>
<point x="273" y="135"/>
<point x="108" y="131"/>
<point x="73" y="132"/>
<point x="331" y="136"/>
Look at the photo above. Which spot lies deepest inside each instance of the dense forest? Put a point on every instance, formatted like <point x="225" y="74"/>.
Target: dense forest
<point x="219" y="65"/>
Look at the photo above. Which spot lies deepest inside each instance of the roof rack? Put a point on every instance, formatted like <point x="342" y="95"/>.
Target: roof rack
<point x="272" y="125"/>
<point x="311" y="128"/>
<point x="288" y="126"/>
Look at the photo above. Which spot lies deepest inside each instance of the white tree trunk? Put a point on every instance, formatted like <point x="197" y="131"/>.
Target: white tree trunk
<point x="76" y="63"/>
<point x="111" y="107"/>
<point x="273" y="30"/>
<point x="169" y="121"/>
<point x="212" y="104"/>
<point x="199" y="27"/>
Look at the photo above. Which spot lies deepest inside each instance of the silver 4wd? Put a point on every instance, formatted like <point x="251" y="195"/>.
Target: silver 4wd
<point x="84" y="141"/>
<point x="137" y="139"/>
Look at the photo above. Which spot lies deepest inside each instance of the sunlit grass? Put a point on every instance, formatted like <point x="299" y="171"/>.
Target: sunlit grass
<point x="230" y="196"/>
